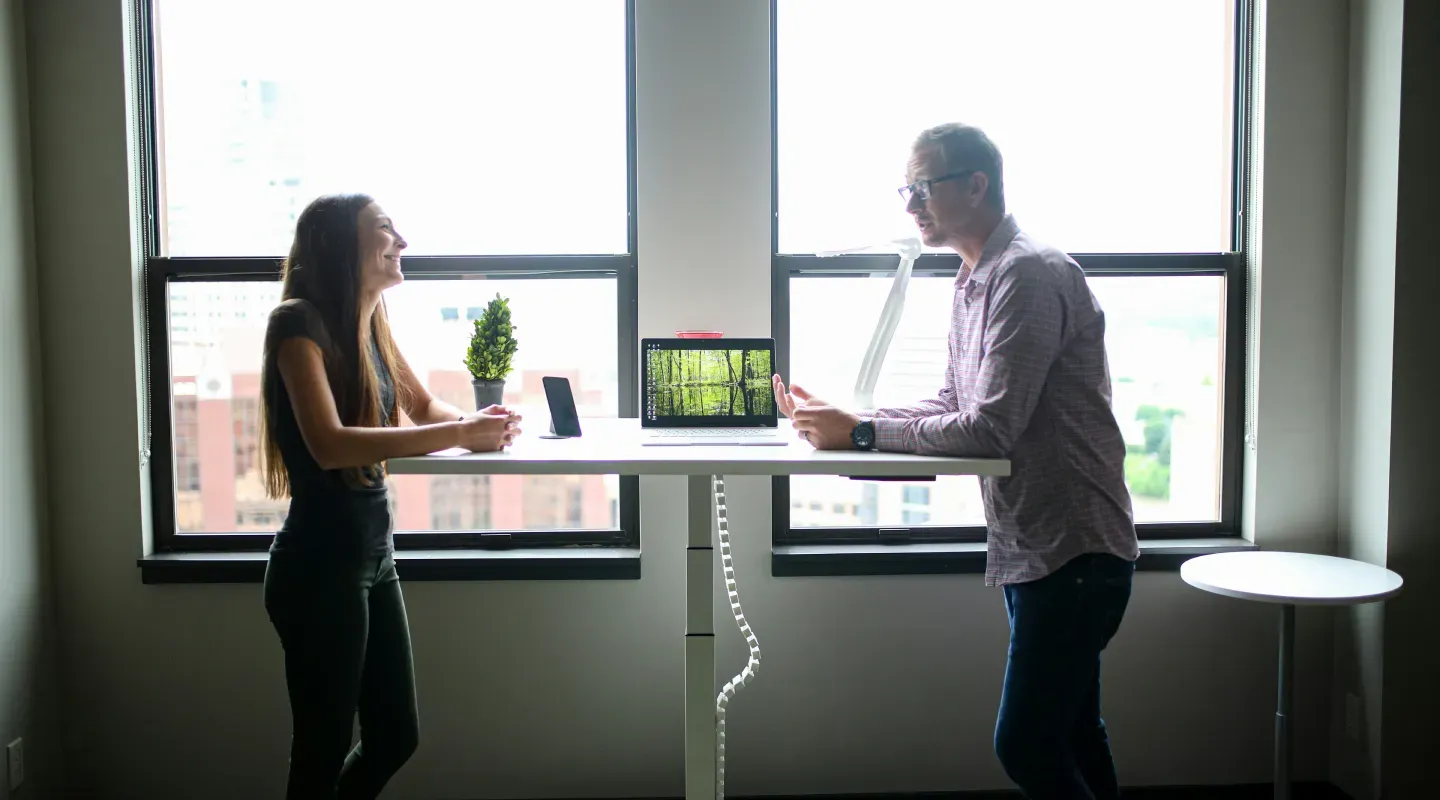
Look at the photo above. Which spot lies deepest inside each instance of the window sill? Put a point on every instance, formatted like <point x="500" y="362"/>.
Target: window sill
<point x="564" y="564"/>
<point x="788" y="561"/>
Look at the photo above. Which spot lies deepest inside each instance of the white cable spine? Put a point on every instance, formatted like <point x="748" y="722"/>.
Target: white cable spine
<point x="747" y="674"/>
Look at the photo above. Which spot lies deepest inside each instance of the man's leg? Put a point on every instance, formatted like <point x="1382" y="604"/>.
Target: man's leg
<point x="1091" y="742"/>
<point x="1058" y="626"/>
<point x="1090" y="745"/>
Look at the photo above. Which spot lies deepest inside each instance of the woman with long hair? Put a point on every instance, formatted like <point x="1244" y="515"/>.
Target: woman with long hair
<point x="332" y="388"/>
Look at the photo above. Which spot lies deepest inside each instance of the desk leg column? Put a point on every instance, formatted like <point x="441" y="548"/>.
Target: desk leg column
<point x="700" y="688"/>
<point x="1284" y="703"/>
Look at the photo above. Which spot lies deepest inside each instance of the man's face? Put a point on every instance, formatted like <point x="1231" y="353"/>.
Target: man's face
<point x="954" y="196"/>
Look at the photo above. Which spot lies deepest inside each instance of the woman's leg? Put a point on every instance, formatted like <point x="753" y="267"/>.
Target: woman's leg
<point x="321" y="616"/>
<point x="389" y="718"/>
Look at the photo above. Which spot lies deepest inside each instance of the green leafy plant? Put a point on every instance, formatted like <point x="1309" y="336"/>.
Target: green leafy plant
<point x="492" y="344"/>
<point x="1147" y="466"/>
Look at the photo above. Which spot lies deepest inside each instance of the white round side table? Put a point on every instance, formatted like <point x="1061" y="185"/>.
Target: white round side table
<point x="1290" y="580"/>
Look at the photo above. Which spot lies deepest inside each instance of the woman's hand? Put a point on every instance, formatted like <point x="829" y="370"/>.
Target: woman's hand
<point x="490" y="429"/>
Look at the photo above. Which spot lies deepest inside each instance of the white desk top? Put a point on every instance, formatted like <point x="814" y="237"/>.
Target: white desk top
<point x="612" y="446"/>
<point x="1292" y="578"/>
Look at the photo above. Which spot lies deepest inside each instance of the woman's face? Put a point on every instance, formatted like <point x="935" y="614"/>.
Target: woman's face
<point x="380" y="247"/>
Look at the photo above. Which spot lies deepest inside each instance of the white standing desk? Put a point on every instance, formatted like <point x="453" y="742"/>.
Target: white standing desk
<point x="1289" y="579"/>
<point x="612" y="447"/>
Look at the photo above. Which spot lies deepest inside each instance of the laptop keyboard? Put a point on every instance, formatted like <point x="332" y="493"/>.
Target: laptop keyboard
<point x="727" y="433"/>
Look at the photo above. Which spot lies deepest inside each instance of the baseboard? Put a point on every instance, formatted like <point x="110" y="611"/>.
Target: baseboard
<point x="1301" y="790"/>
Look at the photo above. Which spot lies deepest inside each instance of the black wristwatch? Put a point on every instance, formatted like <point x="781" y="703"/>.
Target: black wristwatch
<point x="863" y="436"/>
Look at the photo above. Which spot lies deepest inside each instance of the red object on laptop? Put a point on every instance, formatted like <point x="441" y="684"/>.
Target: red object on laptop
<point x="698" y="334"/>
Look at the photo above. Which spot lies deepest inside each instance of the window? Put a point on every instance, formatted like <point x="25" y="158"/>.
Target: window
<point x="915" y="517"/>
<point x="254" y="119"/>
<point x="1120" y="143"/>
<point x="247" y="127"/>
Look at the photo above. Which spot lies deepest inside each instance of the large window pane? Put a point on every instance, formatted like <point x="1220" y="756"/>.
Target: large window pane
<point x="216" y="334"/>
<point x="464" y="119"/>
<point x="1164" y="337"/>
<point x="1114" y="117"/>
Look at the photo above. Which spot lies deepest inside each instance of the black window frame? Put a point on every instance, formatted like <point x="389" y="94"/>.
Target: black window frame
<point x="1233" y="265"/>
<point x="160" y="272"/>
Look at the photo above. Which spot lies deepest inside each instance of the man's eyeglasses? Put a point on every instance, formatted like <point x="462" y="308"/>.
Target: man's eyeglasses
<point x="921" y="189"/>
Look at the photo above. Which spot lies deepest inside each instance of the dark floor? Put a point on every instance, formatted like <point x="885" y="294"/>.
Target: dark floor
<point x="1255" y="791"/>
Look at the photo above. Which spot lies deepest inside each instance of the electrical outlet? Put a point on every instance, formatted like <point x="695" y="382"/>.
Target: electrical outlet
<point x="1352" y="717"/>
<point x="16" y="757"/>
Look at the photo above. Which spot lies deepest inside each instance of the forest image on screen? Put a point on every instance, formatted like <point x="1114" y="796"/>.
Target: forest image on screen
<point x="709" y="383"/>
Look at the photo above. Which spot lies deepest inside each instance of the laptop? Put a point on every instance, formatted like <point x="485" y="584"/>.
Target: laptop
<point x="696" y="392"/>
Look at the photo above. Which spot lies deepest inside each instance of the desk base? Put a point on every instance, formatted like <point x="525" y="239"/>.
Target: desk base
<point x="700" y="687"/>
<point x="700" y="738"/>
<point x="1284" y="702"/>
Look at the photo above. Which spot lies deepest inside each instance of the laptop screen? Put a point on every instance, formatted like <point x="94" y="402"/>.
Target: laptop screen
<point x="695" y="383"/>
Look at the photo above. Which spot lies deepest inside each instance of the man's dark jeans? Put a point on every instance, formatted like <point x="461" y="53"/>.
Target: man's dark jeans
<point x="1049" y="735"/>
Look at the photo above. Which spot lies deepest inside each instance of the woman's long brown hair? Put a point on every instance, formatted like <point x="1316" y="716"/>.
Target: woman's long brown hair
<point x="323" y="268"/>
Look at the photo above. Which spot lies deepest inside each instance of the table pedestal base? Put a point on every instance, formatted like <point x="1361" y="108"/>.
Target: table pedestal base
<point x="1284" y="754"/>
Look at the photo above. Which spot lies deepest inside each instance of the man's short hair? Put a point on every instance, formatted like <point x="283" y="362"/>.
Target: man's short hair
<point x="966" y="147"/>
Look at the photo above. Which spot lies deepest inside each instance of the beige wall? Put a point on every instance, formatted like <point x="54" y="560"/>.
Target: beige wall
<point x="1302" y="188"/>
<point x="27" y="660"/>
<point x="1385" y="696"/>
<point x="1367" y="331"/>
<point x="574" y="688"/>
<point x="1412" y="662"/>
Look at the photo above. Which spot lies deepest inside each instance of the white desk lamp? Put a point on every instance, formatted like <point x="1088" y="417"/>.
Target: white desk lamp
<point x="889" y="318"/>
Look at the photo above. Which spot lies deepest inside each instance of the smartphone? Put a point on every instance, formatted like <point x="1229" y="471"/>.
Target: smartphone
<point x="564" y="420"/>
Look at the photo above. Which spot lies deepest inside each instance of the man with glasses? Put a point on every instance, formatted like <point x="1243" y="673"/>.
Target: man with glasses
<point x="1027" y="379"/>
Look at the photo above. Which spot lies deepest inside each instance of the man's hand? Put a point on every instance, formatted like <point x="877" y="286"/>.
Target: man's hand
<point x="825" y="427"/>
<point x="822" y="425"/>
<point x="795" y="397"/>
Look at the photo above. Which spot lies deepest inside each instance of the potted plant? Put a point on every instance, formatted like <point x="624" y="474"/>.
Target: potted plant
<point x="492" y="347"/>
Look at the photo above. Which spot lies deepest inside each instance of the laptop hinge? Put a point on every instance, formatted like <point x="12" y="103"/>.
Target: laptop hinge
<point x="894" y="535"/>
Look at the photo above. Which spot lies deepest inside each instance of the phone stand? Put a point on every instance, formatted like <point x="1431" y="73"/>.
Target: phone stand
<point x="564" y="419"/>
